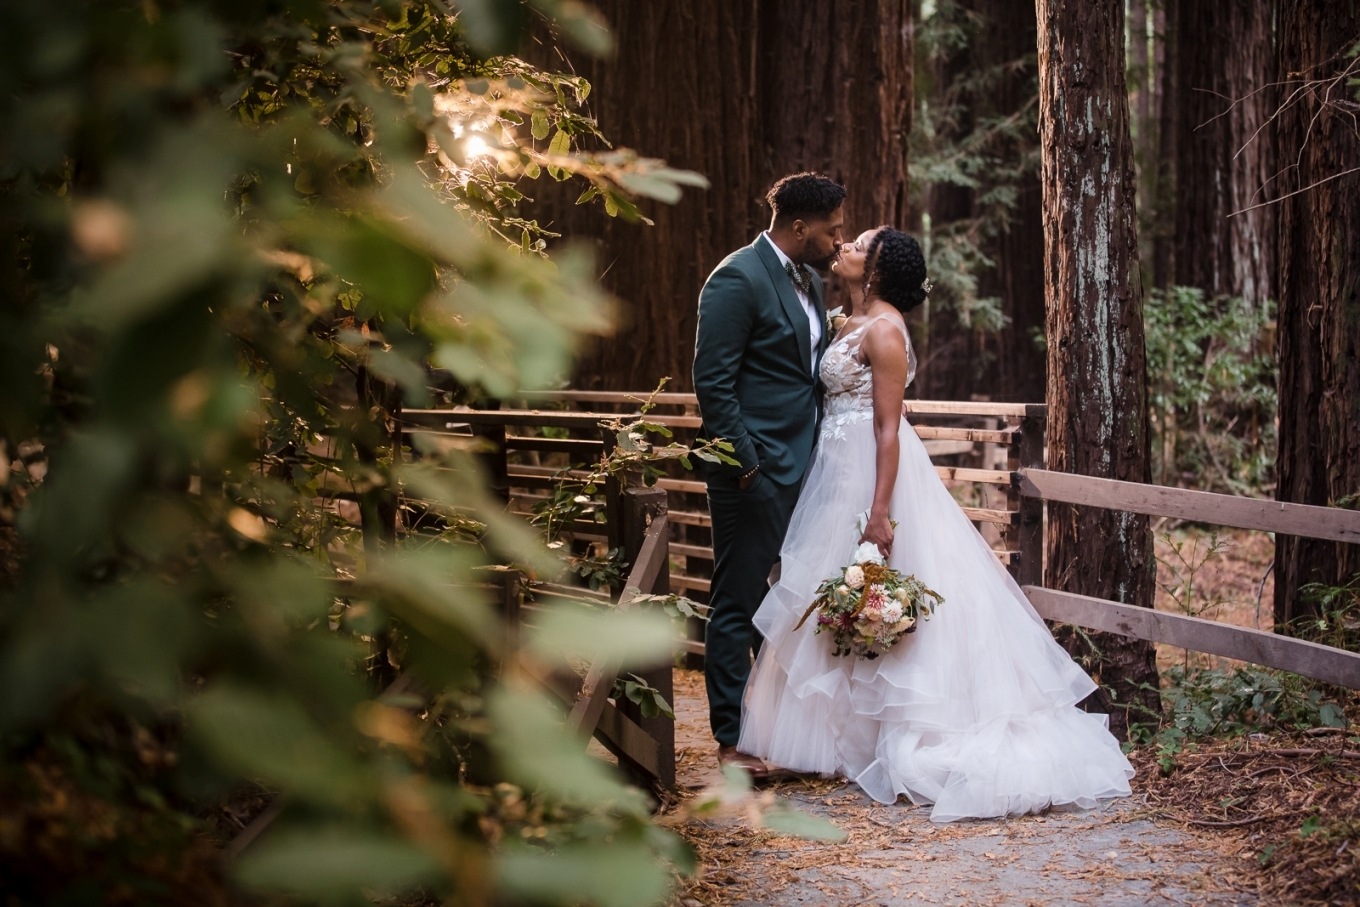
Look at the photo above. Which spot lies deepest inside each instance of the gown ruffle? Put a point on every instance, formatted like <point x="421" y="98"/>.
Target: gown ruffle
<point x="976" y="711"/>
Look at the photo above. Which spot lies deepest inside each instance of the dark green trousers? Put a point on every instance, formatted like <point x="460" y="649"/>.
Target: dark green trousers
<point x="748" y="530"/>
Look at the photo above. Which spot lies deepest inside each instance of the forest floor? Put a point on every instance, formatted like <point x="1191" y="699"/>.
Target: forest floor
<point x="1248" y="820"/>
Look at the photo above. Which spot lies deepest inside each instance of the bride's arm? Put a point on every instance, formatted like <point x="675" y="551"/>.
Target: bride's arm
<point x="883" y="349"/>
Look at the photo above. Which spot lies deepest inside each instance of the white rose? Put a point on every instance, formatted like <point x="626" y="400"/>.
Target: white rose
<point x="854" y="576"/>
<point x="867" y="552"/>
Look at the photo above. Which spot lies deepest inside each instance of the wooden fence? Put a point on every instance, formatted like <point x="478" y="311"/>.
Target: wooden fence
<point x="991" y="453"/>
<point x="1256" y="646"/>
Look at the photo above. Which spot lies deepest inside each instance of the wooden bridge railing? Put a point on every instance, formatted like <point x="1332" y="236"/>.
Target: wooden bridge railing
<point x="979" y="447"/>
<point x="1245" y="644"/>
<point x="645" y="747"/>
<point x="666" y="530"/>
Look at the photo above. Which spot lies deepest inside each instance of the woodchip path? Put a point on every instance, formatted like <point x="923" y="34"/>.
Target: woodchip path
<point x="1117" y="855"/>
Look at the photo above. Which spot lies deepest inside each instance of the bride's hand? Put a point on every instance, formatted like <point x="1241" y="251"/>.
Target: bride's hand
<point x="879" y="530"/>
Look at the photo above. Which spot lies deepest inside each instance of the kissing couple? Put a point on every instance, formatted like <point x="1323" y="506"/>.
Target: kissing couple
<point x="976" y="712"/>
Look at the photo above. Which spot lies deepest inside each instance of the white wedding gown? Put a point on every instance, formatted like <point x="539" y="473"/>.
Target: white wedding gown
<point x="976" y="711"/>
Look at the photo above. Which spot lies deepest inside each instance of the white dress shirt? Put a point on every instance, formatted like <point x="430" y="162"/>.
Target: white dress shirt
<point x="814" y="317"/>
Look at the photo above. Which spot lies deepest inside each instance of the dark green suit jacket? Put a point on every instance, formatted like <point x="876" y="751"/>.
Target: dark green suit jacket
<point x="754" y="372"/>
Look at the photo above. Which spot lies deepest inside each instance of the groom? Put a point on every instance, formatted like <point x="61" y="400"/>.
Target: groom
<point x="759" y="343"/>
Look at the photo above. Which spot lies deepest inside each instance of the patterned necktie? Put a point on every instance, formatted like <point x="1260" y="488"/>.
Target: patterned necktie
<point x="801" y="277"/>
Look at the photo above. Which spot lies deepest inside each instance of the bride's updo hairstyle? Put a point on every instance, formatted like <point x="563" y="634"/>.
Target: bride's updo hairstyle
<point x="895" y="269"/>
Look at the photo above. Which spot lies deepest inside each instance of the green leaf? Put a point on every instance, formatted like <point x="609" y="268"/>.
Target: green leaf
<point x="539" y="125"/>
<point x="789" y="821"/>
<point x="491" y="27"/>
<point x="582" y="25"/>
<point x="538" y="752"/>
<point x="422" y="101"/>
<point x="462" y="488"/>
<point x="141" y="634"/>
<point x="619" y="874"/>
<point x="559" y="146"/>
<point x="434" y="590"/>
<point x="340" y="864"/>
<point x="394" y="274"/>
<point x="409" y="376"/>
<point x="266" y="736"/>
<point x="658" y="428"/>
<point x="627" y="637"/>
<point x="650" y="185"/>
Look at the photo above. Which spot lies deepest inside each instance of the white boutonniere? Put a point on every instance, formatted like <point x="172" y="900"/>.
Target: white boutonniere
<point x="835" y="319"/>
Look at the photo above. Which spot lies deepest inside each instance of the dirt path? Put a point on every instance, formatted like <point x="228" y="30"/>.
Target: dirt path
<point x="1117" y="855"/>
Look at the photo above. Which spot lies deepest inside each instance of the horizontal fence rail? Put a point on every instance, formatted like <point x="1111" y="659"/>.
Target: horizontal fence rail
<point x="1285" y="653"/>
<point x="983" y="443"/>
<point x="1330" y="523"/>
<point x="1199" y="635"/>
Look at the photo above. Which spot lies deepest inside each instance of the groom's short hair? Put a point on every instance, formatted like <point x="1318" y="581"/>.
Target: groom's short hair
<point x="804" y="196"/>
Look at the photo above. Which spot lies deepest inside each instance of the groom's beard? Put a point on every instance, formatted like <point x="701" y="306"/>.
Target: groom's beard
<point x="823" y="264"/>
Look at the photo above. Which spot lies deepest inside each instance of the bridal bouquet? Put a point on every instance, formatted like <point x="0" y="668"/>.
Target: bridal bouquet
<point x="869" y="606"/>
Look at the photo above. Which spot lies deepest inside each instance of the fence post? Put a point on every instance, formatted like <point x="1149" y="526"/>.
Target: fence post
<point x="638" y="508"/>
<point x="511" y="601"/>
<point x="1029" y="528"/>
<point x="495" y="457"/>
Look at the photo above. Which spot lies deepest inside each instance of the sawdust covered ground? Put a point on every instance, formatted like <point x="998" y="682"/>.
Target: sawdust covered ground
<point x="1256" y="820"/>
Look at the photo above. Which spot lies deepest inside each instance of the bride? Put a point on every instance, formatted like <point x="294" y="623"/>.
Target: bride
<point x="976" y="711"/>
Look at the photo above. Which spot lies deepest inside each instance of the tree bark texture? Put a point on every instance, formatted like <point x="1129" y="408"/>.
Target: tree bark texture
<point x="1318" y="289"/>
<point x="1008" y="39"/>
<point x="950" y="356"/>
<point x="989" y="80"/>
<point x="1097" y="412"/>
<point x="1157" y="215"/>
<point x="743" y="93"/>
<point x="1224" y="160"/>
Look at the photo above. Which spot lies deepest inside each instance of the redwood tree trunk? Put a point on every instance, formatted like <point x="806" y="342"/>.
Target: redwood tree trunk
<point x="743" y="93"/>
<point x="1318" y="291"/>
<point x="1008" y="38"/>
<point x="1223" y="158"/>
<point x="951" y="350"/>
<point x="1097" y="412"/>
<point x="988" y="78"/>
<point x="1158" y="147"/>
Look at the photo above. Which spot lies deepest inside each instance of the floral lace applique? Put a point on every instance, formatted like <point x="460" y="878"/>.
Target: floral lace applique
<point x="849" y="383"/>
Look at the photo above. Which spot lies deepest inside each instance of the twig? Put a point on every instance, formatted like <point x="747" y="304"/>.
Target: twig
<point x="254" y="829"/>
<point x="1293" y="772"/>
<point x="1234" y="823"/>
<point x="1297" y="191"/>
<point x="1312" y="752"/>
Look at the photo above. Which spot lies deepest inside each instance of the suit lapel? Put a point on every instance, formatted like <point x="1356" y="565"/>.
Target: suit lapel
<point x="819" y="305"/>
<point x="788" y="300"/>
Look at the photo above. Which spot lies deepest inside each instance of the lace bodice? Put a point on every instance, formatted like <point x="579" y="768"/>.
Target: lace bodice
<point x="848" y="380"/>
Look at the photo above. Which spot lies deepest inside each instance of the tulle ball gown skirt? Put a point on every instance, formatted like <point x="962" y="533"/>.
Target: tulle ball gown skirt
<point x="974" y="713"/>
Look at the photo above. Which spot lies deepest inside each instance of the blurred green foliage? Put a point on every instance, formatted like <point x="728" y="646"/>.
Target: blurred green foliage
<point x="236" y="236"/>
<point x="1209" y="702"/>
<point x="1211" y="391"/>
